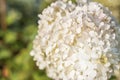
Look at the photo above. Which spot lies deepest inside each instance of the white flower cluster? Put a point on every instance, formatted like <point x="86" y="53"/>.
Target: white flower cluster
<point x="77" y="41"/>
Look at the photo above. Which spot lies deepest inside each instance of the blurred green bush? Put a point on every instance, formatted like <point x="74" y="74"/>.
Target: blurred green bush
<point x="16" y="40"/>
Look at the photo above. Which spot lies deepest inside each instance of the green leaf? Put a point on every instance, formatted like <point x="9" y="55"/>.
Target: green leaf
<point x="13" y="16"/>
<point x="29" y="32"/>
<point x="10" y="37"/>
<point x="5" y="53"/>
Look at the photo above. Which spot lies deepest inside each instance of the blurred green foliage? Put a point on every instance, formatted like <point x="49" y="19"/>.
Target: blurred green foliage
<point x="16" y="40"/>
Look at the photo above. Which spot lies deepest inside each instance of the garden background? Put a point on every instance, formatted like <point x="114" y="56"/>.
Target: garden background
<point x="18" y="27"/>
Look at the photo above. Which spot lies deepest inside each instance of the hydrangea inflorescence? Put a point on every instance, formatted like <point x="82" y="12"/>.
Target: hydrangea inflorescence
<point x="77" y="41"/>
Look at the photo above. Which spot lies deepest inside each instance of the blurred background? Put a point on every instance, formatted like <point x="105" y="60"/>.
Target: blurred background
<point x="18" y="27"/>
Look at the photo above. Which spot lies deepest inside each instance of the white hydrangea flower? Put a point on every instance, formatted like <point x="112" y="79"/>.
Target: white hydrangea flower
<point x="77" y="41"/>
